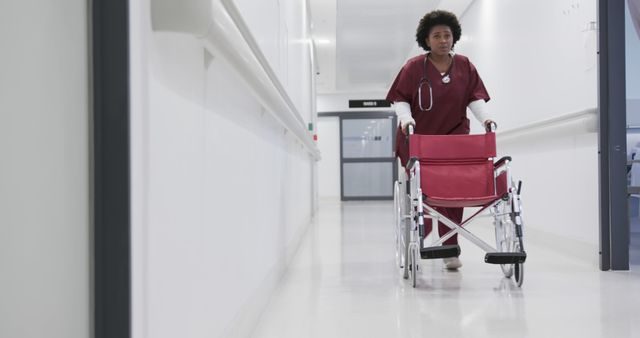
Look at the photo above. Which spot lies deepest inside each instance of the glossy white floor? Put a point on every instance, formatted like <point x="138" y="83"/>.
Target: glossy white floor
<point x="343" y="283"/>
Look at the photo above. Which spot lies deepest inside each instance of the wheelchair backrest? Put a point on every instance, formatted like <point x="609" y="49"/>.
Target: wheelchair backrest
<point x="455" y="166"/>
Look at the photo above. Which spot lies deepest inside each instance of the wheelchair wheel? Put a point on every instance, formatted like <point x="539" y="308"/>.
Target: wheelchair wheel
<point x="406" y="223"/>
<point x="398" y="206"/>
<point x="519" y="270"/>
<point x="517" y="246"/>
<point x="505" y="234"/>
<point x="507" y="240"/>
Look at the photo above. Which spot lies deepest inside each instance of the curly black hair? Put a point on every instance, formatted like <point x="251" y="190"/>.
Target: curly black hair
<point x="435" y="18"/>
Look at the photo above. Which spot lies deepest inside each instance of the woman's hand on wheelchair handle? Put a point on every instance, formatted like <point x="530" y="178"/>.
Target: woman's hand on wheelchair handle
<point x="408" y="128"/>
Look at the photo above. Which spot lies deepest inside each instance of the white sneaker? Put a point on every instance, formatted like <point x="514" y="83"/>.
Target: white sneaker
<point x="452" y="263"/>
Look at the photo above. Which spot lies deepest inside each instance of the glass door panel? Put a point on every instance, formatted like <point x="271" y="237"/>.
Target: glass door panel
<point x="367" y="155"/>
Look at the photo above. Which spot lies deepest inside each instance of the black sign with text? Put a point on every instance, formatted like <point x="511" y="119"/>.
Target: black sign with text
<point x="369" y="103"/>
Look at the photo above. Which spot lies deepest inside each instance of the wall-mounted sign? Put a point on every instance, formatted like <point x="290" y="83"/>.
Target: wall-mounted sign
<point x="369" y="103"/>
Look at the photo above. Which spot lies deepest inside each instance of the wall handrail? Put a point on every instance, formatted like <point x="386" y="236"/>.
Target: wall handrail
<point x="235" y="15"/>
<point x="219" y="24"/>
<point x="588" y="116"/>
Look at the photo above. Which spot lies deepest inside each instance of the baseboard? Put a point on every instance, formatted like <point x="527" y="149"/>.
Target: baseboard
<point x="575" y="249"/>
<point x="585" y="252"/>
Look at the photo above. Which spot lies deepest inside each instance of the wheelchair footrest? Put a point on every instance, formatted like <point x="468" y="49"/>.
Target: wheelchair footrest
<point x="505" y="257"/>
<point x="444" y="251"/>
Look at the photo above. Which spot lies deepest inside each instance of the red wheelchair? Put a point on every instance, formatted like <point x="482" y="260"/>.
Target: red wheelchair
<point x="457" y="171"/>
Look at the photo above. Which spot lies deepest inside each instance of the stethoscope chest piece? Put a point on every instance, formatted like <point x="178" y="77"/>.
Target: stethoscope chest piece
<point x="446" y="79"/>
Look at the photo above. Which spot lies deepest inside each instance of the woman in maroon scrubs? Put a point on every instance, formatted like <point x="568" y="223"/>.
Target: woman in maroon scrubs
<point x="432" y="92"/>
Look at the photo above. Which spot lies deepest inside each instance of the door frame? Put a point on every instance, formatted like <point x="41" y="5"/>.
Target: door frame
<point x="111" y="169"/>
<point x="612" y="146"/>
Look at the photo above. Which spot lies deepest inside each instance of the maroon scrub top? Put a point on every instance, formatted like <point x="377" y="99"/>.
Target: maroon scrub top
<point x="450" y="100"/>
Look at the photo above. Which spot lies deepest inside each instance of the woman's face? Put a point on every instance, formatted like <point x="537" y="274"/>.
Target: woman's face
<point x="440" y="39"/>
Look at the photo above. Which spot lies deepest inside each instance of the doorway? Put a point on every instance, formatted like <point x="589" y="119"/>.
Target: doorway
<point x="367" y="156"/>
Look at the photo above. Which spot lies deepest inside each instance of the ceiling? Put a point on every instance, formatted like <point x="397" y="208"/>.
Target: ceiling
<point x="361" y="44"/>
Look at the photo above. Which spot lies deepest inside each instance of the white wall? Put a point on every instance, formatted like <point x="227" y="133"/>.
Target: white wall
<point x="533" y="51"/>
<point x="222" y="192"/>
<point x="538" y="61"/>
<point x="44" y="170"/>
<point x="339" y="102"/>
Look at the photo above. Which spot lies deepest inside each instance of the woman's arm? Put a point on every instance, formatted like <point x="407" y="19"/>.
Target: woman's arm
<point x="403" y="111"/>
<point x="480" y="111"/>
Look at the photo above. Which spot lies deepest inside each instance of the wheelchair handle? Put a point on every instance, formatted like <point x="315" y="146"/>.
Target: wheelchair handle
<point x="408" y="132"/>
<point x="409" y="129"/>
<point x="519" y="187"/>
<point x="491" y="127"/>
<point x="502" y="161"/>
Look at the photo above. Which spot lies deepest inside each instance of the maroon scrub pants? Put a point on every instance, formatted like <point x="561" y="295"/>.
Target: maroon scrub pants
<point x="454" y="214"/>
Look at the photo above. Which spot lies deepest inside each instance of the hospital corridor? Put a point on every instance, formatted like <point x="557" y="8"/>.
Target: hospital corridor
<point x="319" y="168"/>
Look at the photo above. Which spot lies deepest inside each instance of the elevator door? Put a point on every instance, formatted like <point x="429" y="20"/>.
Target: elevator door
<point x="367" y="157"/>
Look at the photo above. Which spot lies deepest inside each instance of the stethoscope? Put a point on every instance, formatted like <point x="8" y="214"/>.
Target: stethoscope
<point x="425" y="79"/>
